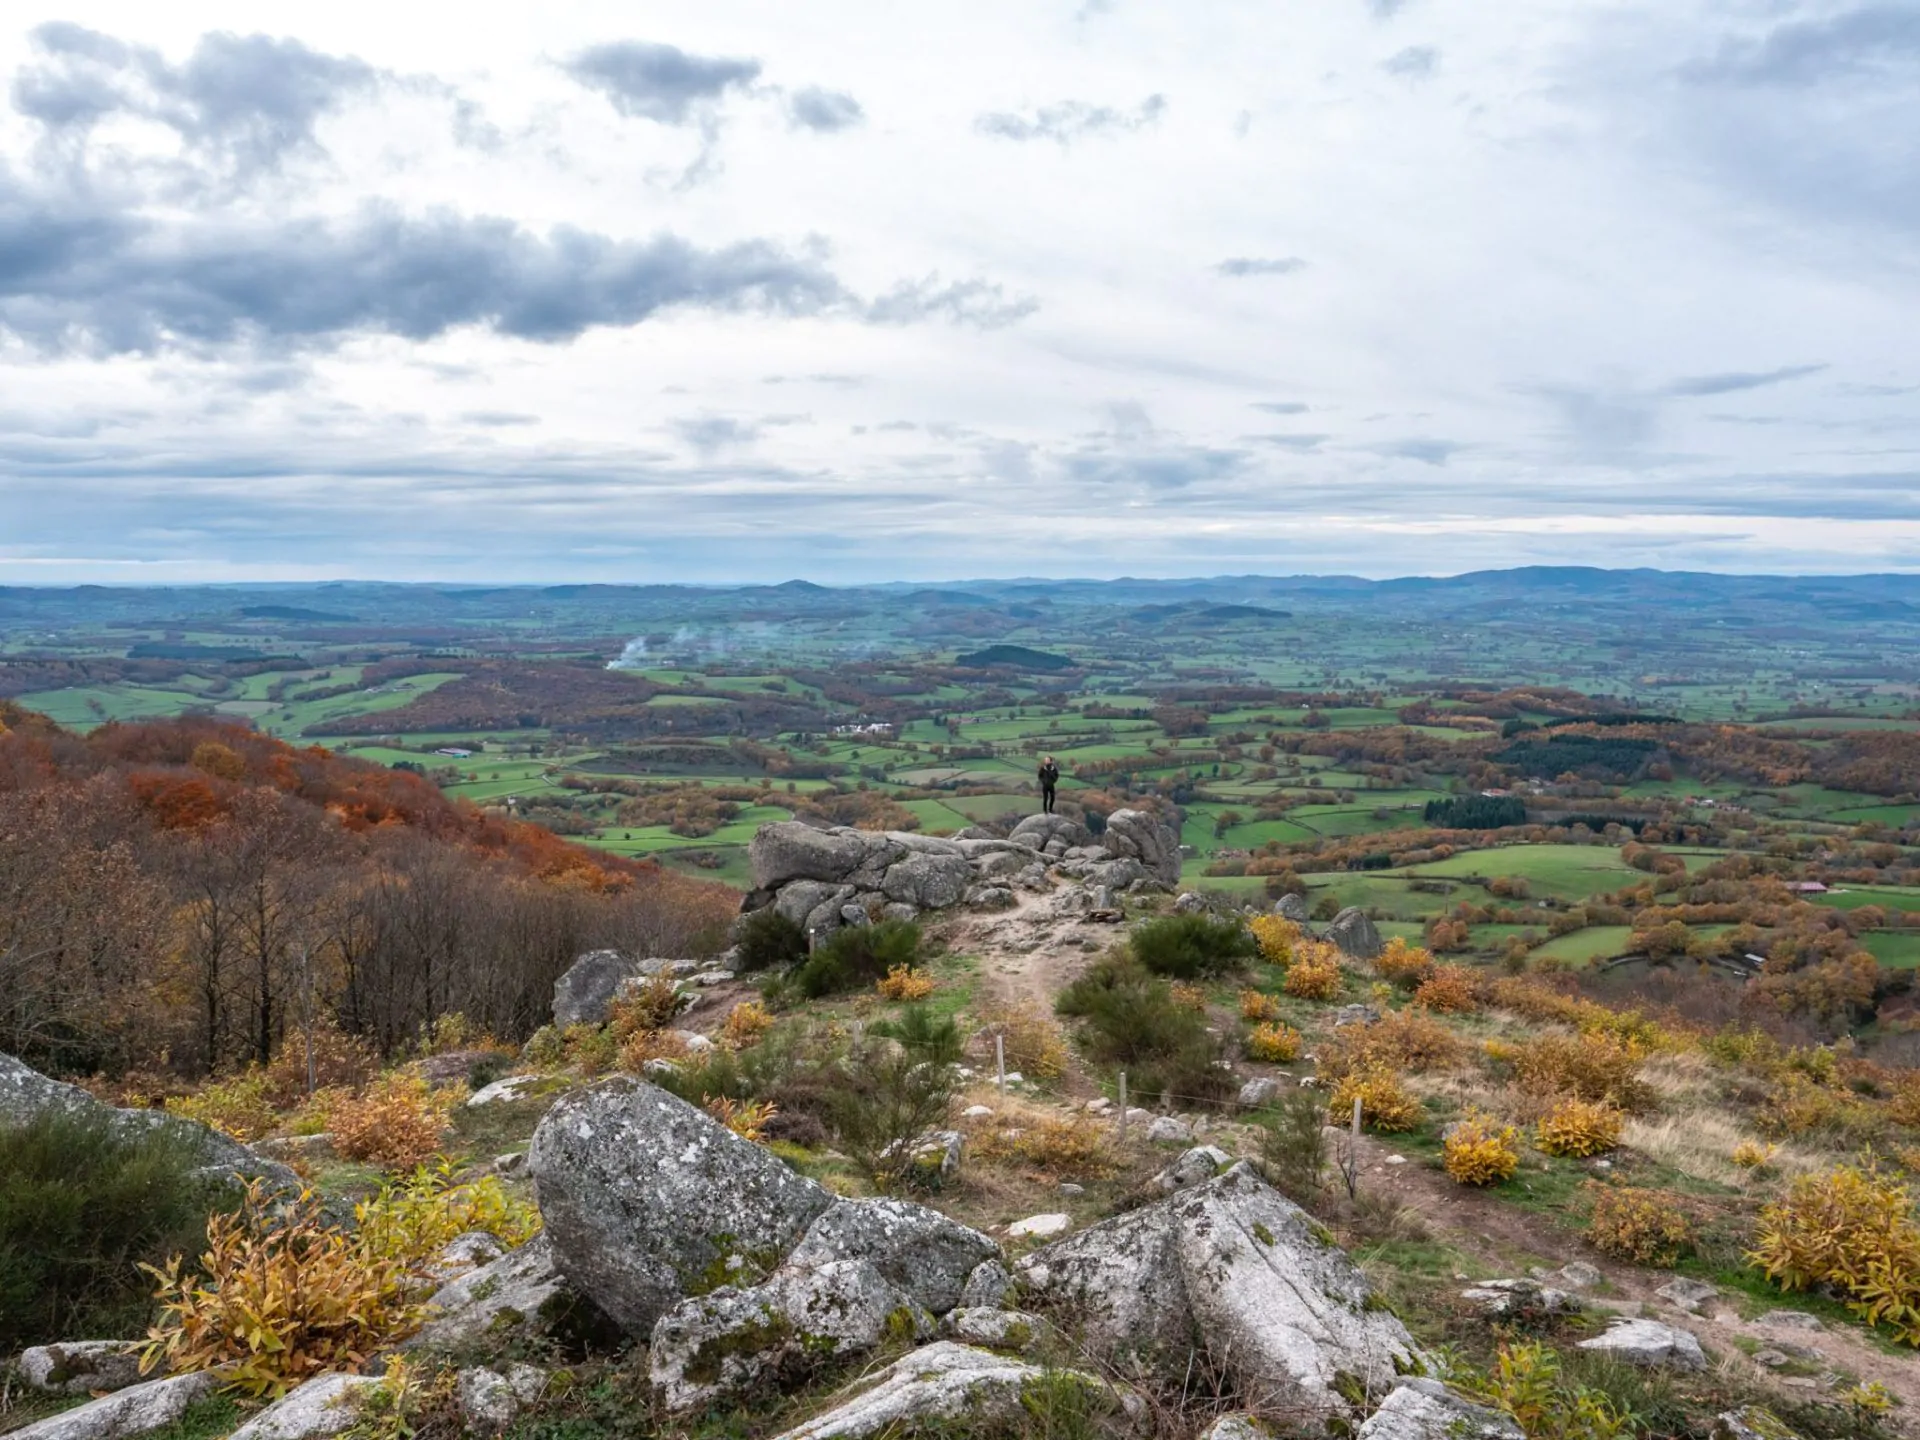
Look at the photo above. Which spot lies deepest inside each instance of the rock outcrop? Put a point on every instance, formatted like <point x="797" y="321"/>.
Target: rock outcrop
<point x="81" y="1367"/>
<point x="823" y="879"/>
<point x="26" y="1094"/>
<point x="323" y="1406"/>
<point x="1428" y="1410"/>
<point x="1649" y="1344"/>
<point x="646" y="1200"/>
<point x="1232" y="1268"/>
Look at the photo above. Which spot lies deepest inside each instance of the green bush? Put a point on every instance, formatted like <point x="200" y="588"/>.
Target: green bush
<point x="768" y="940"/>
<point x="854" y="957"/>
<point x="81" y="1206"/>
<point x="1190" y="947"/>
<point x="1130" y="1021"/>
<point x="926" y="1038"/>
<point x="889" y="1097"/>
<point x="1293" y="1145"/>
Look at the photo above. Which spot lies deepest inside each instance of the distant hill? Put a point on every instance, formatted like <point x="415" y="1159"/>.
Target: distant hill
<point x="289" y="612"/>
<point x="1012" y="657"/>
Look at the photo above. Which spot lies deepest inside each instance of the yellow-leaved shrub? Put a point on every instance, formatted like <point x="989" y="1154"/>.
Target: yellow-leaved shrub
<point x="1588" y="1066"/>
<point x="1256" y="1005"/>
<point x="746" y="1023"/>
<point x="1644" y="1226"/>
<point x="1273" y="1042"/>
<point x="1315" y="971"/>
<point x="1480" y="1150"/>
<point x="395" y="1123"/>
<point x="1450" y="989"/>
<point x="1403" y="964"/>
<point x="1035" y="1044"/>
<point x="1386" y="1105"/>
<point x="1275" y="934"/>
<point x="1577" y="1128"/>
<point x="1853" y="1228"/>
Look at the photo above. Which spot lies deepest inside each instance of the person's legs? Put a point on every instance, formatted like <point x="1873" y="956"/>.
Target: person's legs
<point x="1046" y="799"/>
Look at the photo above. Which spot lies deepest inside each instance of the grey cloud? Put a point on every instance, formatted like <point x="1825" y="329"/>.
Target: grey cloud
<point x="817" y="378"/>
<point x="246" y="100"/>
<point x="1241" y="266"/>
<point x="1416" y="62"/>
<point x="1386" y="9"/>
<point x="1867" y="39"/>
<point x="658" y="82"/>
<point x="72" y="277"/>
<point x="498" y="419"/>
<point x="1601" y="423"/>
<point x="1727" y="383"/>
<point x="964" y="302"/>
<point x="1292" y="442"/>
<point x="1070" y="120"/>
<point x="1426" y="451"/>
<point x="823" y="110"/>
<point x="1280" y="407"/>
<point x="1166" y="468"/>
<point x="709" y="433"/>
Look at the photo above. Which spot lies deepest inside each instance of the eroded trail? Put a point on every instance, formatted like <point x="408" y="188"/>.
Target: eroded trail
<point x="1030" y="953"/>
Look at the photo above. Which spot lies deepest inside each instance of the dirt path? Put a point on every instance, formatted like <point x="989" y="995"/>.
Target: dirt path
<point x="1030" y="953"/>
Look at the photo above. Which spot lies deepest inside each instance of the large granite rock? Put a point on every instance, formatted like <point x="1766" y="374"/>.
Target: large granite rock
<point x="1292" y="907"/>
<point x="1136" y="835"/>
<point x="647" y="1199"/>
<point x="925" y="1256"/>
<point x="26" y="1094"/>
<point x="1355" y="933"/>
<point x="1649" y="1344"/>
<point x="584" y="994"/>
<point x="1234" y="1269"/>
<point x="521" y="1296"/>
<point x="951" y="1382"/>
<point x="81" y="1367"/>
<point x="928" y="881"/>
<point x="789" y="850"/>
<point x="137" y="1410"/>
<point x="1052" y="833"/>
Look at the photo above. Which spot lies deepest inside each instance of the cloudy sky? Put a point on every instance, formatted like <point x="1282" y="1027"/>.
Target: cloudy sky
<point x="854" y="290"/>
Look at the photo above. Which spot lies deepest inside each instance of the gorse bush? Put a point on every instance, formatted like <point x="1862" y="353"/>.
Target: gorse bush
<point x="904" y="983"/>
<point x="1479" y="1150"/>
<point x="768" y="940"/>
<point x="1131" y="1021"/>
<point x="1192" y="947"/>
<point x="857" y="957"/>
<point x="1293" y="1145"/>
<point x="1852" y="1228"/>
<point x="1450" y="989"/>
<point x="82" y="1204"/>
<point x="1254" y="1005"/>
<point x="1644" y="1226"/>
<point x="1578" y="1128"/>
<point x="1404" y="1040"/>
<point x="395" y="1123"/>
<point x="926" y="1036"/>
<point x="889" y="1097"/>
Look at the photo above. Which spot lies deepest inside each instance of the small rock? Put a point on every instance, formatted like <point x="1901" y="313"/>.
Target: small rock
<point x="1356" y="1015"/>
<point x="1772" y="1359"/>
<point x="463" y="1253"/>
<point x="1791" y="1320"/>
<point x="1687" y="1294"/>
<point x="1578" y="1275"/>
<point x="1649" y="1343"/>
<point x="1236" y="1427"/>
<point x="1603" y="1166"/>
<point x="1041" y="1227"/>
<point x="487" y="1402"/>
<point x="1258" y="1092"/>
<point x="1166" y="1130"/>
<point x="1751" y="1422"/>
<point x="986" y="1287"/>
<point x="1195" y="1167"/>
<point x="1503" y="1298"/>
<point x="1137" y="1116"/>
<point x="325" y="1406"/>
<point x="1420" y="1409"/>
<point x="1067" y="1187"/>
<point x="1801" y="1382"/>
<point x="510" y="1088"/>
<point x="135" y="1410"/>
<point x="1099" y="1106"/>
<point x="977" y="1112"/>
<point x="1396" y="1159"/>
<point x="512" y="1163"/>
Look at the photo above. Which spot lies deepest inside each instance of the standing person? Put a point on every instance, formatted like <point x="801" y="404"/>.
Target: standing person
<point x="1049" y="780"/>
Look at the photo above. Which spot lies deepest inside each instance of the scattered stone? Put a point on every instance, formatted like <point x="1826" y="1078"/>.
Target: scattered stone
<point x="1236" y="1427"/>
<point x="1067" y="1187"/>
<point x="1420" y="1409"/>
<point x="1100" y="1105"/>
<point x="1356" y="934"/>
<point x="949" y="1381"/>
<point x="922" y="1254"/>
<point x="81" y="1367"/>
<point x="584" y="994"/>
<point x="1772" y="1359"/>
<point x="1396" y="1159"/>
<point x="997" y="1329"/>
<point x="977" y="1112"/>
<point x="1649" y="1343"/>
<point x="1791" y="1320"/>
<point x="1252" y="1276"/>
<point x="1258" y="1092"/>
<point x="1801" y="1382"/>
<point x="1687" y="1294"/>
<point x="1188" y="903"/>
<point x="1041" y="1227"/>
<point x="325" y="1406"/>
<point x="1292" y="907"/>
<point x="1137" y="1116"/>
<point x="1501" y="1299"/>
<point x="1356" y="1015"/>
<point x="521" y="1295"/>
<point x="646" y="1199"/>
<point x="1578" y="1275"/>
<point x="135" y="1410"/>
<point x="490" y="1400"/>
<point x="512" y="1163"/>
<point x="1751" y="1422"/>
<point x="1166" y="1130"/>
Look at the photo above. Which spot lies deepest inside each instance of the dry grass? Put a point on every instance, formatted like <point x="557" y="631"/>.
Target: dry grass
<point x="1700" y="1142"/>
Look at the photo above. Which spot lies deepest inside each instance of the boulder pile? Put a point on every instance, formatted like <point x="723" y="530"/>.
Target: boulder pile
<point x="822" y="879"/>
